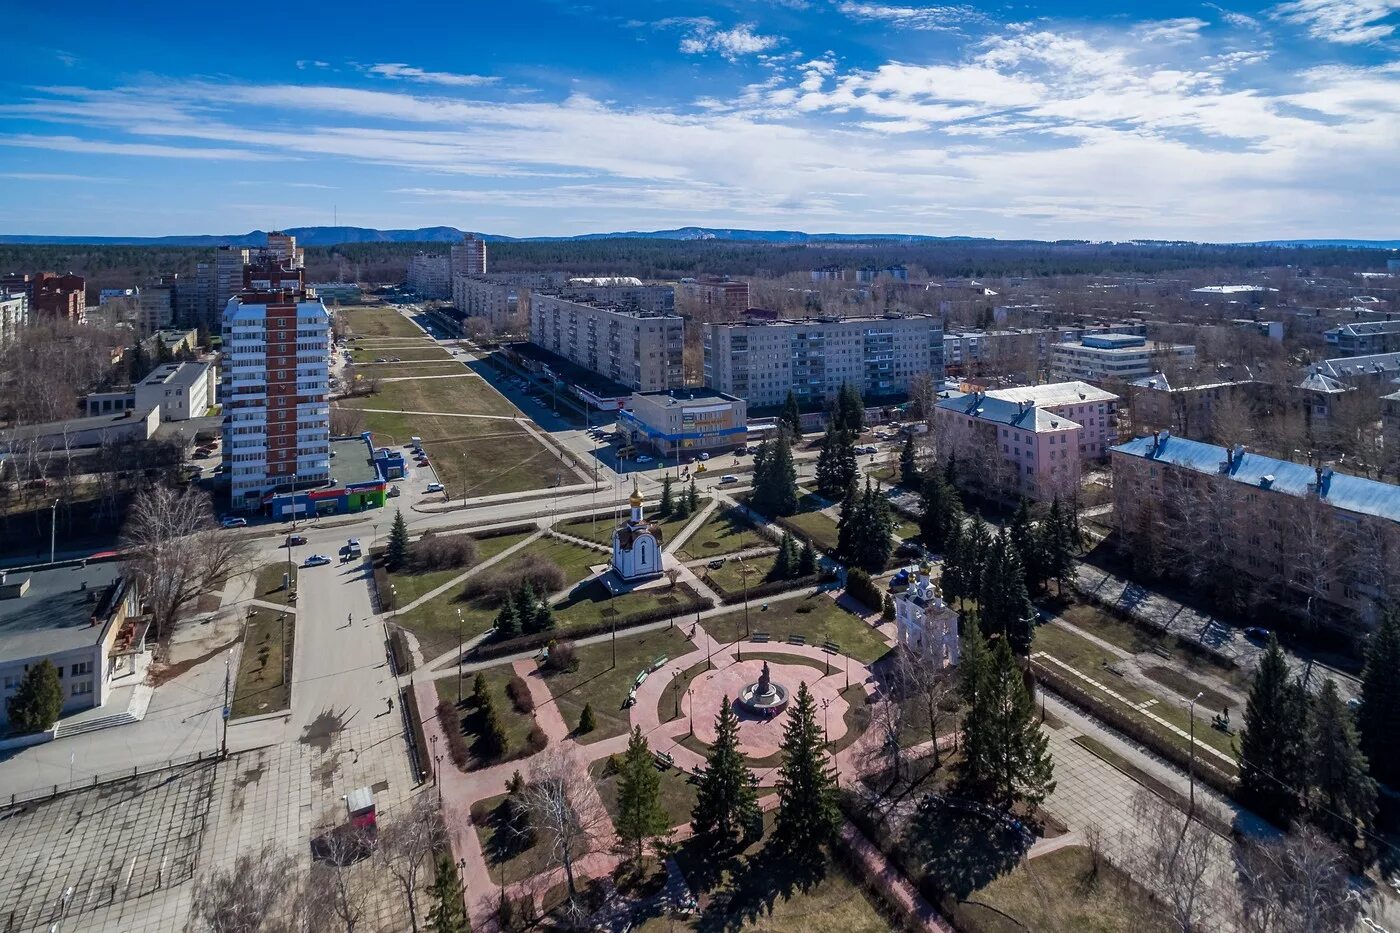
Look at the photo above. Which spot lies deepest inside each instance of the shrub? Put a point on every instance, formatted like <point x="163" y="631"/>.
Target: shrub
<point x="536" y="740"/>
<point x="500" y="649"/>
<point x="398" y="651"/>
<point x="563" y="656"/>
<point x="382" y="591"/>
<point x="452" y="727"/>
<point x="442" y="552"/>
<point x="519" y="693"/>
<point x="38" y="702"/>
<point x="587" y="722"/>
<point x="543" y="574"/>
<point x="863" y="590"/>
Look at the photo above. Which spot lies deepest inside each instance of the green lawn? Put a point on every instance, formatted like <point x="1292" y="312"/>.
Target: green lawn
<point x="600" y="529"/>
<point x="467" y="394"/>
<point x="813" y="523"/>
<point x="369" y="353"/>
<point x="1061" y="891"/>
<point x="817" y="618"/>
<point x="1173" y="679"/>
<point x="677" y="793"/>
<point x="516" y="723"/>
<point x="574" y="559"/>
<point x="264" y="683"/>
<point x="597" y="682"/>
<point x="1135" y="638"/>
<point x="410" y="586"/>
<point x="592" y="604"/>
<point x="381" y="321"/>
<point x="407" y="370"/>
<point x="725" y="531"/>
<point x="268" y="586"/>
<point x="730" y="577"/>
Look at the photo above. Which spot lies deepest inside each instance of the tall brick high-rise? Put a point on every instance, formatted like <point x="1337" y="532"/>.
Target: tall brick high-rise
<point x="276" y="373"/>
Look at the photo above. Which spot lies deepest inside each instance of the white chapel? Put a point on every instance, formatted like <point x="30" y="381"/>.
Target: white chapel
<point x="636" y="548"/>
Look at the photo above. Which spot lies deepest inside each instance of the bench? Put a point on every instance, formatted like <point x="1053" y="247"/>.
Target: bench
<point x="664" y="761"/>
<point x="798" y="640"/>
<point x="831" y="648"/>
<point x="760" y="637"/>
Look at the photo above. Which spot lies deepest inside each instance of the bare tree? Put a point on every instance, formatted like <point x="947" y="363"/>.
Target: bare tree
<point x="346" y="422"/>
<point x="1312" y="540"/>
<point x="1296" y="884"/>
<point x="337" y="892"/>
<point x="247" y="897"/>
<point x="406" y="848"/>
<point x="178" y="551"/>
<point x="565" y="810"/>
<point x="922" y="683"/>
<point x="1173" y="854"/>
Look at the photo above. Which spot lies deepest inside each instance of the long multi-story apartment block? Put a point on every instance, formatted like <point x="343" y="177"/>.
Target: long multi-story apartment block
<point x="1011" y="448"/>
<point x="497" y="296"/>
<point x="1365" y="338"/>
<point x="729" y="297"/>
<point x="763" y="360"/>
<point x="276" y="373"/>
<point x="641" y="350"/>
<point x="1323" y="543"/>
<point x="430" y="275"/>
<point x="629" y="295"/>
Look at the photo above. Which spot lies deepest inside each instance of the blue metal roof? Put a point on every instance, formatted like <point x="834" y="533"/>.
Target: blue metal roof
<point x="1351" y="493"/>
<point x="983" y="406"/>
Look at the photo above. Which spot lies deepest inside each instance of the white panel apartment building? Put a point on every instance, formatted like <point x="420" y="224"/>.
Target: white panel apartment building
<point x="14" y="315"/>
<point x="430" y="275"/>
<point x="639" y="349"/>
<point x="762" y="360"/>
<point x="276" y="373"/>
<point x="497" y="296"/>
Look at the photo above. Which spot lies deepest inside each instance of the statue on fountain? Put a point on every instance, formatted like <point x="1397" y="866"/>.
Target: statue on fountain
<point x="764" y="697"/>
<point x="765" y="681"/>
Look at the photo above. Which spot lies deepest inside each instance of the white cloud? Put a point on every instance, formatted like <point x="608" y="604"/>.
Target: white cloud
<point x="730" y="43"/>
<point x="54" y="176"/>
<point x="445" y="78"/>
<point x="931" y="18"/>
<point x="1173" y="31"/>
<point x="1349" y="22"/>
<point x="102" y="147"/>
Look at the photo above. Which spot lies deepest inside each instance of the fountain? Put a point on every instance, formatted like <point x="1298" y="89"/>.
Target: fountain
<point x="764" y="697"/>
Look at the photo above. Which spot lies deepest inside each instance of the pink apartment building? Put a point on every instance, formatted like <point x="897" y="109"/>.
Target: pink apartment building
<point x="1095" y="409"/>
<point x="1010" y="448"/>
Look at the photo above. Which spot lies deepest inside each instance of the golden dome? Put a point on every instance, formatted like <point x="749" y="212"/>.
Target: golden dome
<point x="636" y="498"/>
<point x="924" y="568"/>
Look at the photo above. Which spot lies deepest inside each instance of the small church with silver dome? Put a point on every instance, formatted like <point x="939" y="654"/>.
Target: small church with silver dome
<point x="636" y="545"/>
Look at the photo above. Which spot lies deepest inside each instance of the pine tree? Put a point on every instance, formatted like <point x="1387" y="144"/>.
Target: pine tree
<point x="726" y="813"/>
<point x="640" y="817"/>
<point x="775" y="478"/>
<point x="446" y="915"/>
<point x="1378" y="717"/>
<point x="785" y="562"/>
<point x="807" y="559"/>
<point x="836" y="463"/>
<point x="1273" y="742"/>
<point x="480" y="691"/>
<point x="1057" y="544"/>
<point x="692" y="498"/>
<point x="507" y="622"/>
<point x="791" y="418"/>
<point x="38" y="700"/>
<point x="586" y="720"/>
<point x="974" y="674"/>
<point x="1343" y="794"/>
<point x="1020" y="769"/>
<point x="807" y="817"/>
<point x="397" y="554"/>
<point x="667" y="502"/>
<point x="908" y="464"/>
<point x="493" y="741"/>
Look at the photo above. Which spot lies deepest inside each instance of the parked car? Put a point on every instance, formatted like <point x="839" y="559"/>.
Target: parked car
<point x="1257" y="633"/>
<point x="294" y="540"/>
<point x="728" y="478"/>
<point x="231" y="521"/>
<point x="704" y="456"/>
<point x="393" y="492"/>
<point x="380" y="359"/>
<point x="434" y="487"/>
<point x="715" y="564"/>
<point x="316" y="560"/>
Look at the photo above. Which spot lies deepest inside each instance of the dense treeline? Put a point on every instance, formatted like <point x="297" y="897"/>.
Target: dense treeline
<point x="119" y="266"/>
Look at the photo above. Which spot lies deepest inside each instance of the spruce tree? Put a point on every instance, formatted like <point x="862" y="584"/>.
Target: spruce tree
<point x="507" y="621"/>
<point x="847" y="520"/>
<point x="446" y="915"/>
<point x="807" y="817"/>
<point x="520" y="832"/>
<point x="791" y="418"/>
<point x="908" y="464"/>
<point x="1273" y="742"/>
<point x="1057" y="544"/>
<point x="785" y="562"/>
<point x="977" y="545"/>
<point x="1024" y="538"/>
<point x="953" y="582"/>
<point x="667" y="501"/>
<point x="397" y="554"/>
<point x="875" y="529"/>
<point x="586" y="720"/>
<point x="836" y="463"/>
<point x="851" y="408"/>
<point x="974" y="674"/>
<point x="1378" y="717"/>
<point x="492" y="741"/>
<point x="640" y="817"/>
<point x="726" y="814"/>
<point x="1006" y="607"/>
<point x="775" y="478"/>
<point x="692" y="498"/>
<point x="1020" y="769"/>
<point x="38" y="700"/>
<point x="807" y="559"/>
<point x="542" y="619"/>
<point x="480" y="691"/>
<point x="1343" y="794"/>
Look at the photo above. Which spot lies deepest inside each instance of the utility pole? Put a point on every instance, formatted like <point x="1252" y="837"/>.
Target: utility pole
<point x="53" y="528"/>
<point x="459" y="657"/>
<point x="1191" y="770"/>
<point x="223" y="744"/>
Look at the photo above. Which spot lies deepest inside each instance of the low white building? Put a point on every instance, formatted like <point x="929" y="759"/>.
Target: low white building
<point x="14" y="315"/>
<point x="180" y="390"/>
<point x="674" y="422"/>
<point x="1115" y="357"/>
<point x="636" y="548"/>
<point x="924" y="622"/>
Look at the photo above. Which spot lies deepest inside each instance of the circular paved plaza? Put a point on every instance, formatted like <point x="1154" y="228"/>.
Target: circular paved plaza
<point x="759" y="737"/>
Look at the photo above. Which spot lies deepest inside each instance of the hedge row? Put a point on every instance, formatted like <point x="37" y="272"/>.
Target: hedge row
<point x="729" y="597"/>
<point x="451" y="720"/>
<point x="383" y="593"/>
<point x="488" y="650"/>
<point x="1207" y="772"/>
<point x="399" y="654"/>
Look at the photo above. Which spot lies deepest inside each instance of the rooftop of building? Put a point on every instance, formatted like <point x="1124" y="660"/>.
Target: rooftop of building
<point x="56" y="610"/>
<point x="756" y="321"/>
<point x="351" y="461"/>
<point x="1161" y="383"/>
<point x="72" y="425"/>
<point x="600" y="280"/>
<point x="1368" y="328"/>
<point x="1351" y="493"/>
<point x="679" y="398"/>
<point x="176" y="374"/>
<point x="1231" y="289"/>
<point x="1373" y="364"/>
<point x="571" y="372"/>
<point x="1054" y="394"/>
<point x="1012" y="414"/>
<point x="597" y="305"/>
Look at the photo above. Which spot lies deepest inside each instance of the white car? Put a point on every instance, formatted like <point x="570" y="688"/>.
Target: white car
<point x="644" y="458"/>
<point x="434" y="487"/>
<point x="231" y="522"/>
<point x="704" y="456"/>
<point x="316" y="560"/>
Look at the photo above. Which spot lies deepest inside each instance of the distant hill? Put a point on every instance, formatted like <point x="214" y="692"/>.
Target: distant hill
<point x="336" y="236"/>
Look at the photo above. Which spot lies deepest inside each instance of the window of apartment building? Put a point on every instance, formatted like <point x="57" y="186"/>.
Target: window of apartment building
<point x="83" y="668"/>
<point x="81" y="689"/>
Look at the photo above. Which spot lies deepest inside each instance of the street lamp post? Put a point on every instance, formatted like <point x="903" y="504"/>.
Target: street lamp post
<point x="433" y="738"/>
<point x="459" y="657"/>
<point x="437" y="766"/>
<point x="1191" y="770"/>
<point x="676" y="693"/>
<point x="744" y="574"/>
<point x="826" y="722"/>
<point x="53" y="529"/>
<point x="690" y="699"/>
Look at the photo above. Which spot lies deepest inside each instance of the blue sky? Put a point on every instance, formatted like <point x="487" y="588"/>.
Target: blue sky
<point x="1208" y="121"/>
